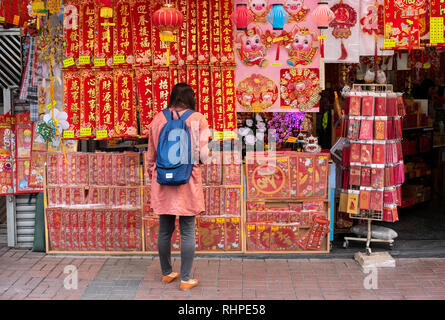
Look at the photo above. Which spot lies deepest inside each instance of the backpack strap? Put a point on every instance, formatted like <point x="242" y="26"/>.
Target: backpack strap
<point x="168" y="115"/>
<point x="187" y="114"/>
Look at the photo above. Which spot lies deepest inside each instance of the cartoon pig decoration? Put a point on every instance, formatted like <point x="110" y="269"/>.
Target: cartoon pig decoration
<point x="260" y="9"/>
<point x="296" y="9"/>
<point x="252" y="52"/>
<point x="301" y="50"/>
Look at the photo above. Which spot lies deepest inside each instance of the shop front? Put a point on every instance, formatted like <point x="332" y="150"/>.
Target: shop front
<point x="319" y="119"/>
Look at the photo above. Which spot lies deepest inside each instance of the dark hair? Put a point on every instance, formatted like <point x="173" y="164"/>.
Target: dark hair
<point x="182" y="96"/>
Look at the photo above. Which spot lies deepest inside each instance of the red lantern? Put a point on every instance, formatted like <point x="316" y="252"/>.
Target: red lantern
<point x="323" y="16"/>
<point x="167" y="19"/>
<point x="242" y="16"/>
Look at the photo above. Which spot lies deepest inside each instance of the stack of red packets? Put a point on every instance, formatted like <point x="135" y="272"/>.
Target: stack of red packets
<point x="99" y="211"/>
<point x="373" y="161"/>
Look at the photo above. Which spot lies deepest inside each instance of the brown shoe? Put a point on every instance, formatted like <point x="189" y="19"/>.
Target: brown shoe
<point x="169" y="278"/>
<point x="187" y="285"/>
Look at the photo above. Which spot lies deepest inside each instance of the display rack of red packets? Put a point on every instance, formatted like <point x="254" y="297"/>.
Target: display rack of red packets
<point x="372" y="162"/>
<point x="94" y="202"/>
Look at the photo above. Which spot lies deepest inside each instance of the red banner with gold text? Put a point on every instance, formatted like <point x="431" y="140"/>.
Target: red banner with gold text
<point x="123" y="34"/>
<point x="125" y="116"/>
<point x="87" y="19"/>
<point x="105" y="104"/>
<point x="87" y="104"/>
<point x="141" y="23"/>
<point x="71" y="89"/>
<point x="71" y="29"/>
<point x="145" y="98"/>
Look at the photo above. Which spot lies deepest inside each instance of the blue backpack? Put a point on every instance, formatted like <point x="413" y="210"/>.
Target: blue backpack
<point x="174" y="154"/>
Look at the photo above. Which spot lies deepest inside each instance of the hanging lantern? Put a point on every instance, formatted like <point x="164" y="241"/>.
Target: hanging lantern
<point x="277" y="17"/>
<point x="323" y="16"/>
<point x="167" y="19"/>
<point x="242" y="16"/>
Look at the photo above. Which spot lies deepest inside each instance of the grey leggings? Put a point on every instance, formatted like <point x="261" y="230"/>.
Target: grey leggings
<point x="187" y="229"/>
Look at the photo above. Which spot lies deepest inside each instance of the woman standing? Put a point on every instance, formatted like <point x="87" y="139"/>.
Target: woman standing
<point x="186" y="200"/>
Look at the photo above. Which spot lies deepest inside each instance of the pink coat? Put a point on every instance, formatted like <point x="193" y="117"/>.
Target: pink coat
<point x="187" y="199"/>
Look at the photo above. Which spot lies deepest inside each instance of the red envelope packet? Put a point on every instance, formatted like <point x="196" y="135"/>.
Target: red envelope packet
<point x="366" y="130"/>
<point x="119" y="168"/>
<point x="231" y="168"/>
<point x="380" y="106"/>
<point x="134" y="197"/>
<point x="389" y="196"/>
<point x="305" y="177"/>
<point x="354" y="178"/>
<point x="251" y="216"/>
<point x="355" y="105"/>
<point x="353" y="129"/>
<point x="91" y="230"/>
<point x="93" y="169"/>
<point x="355" y="152"/>
<point x="365" y="179"/>
<point x="134" y="224"/>
<point x="367" y="106"/>
<point x="390" y="214"/>
<point x="377" y="178"/>
<point x="117" y="231"/>
<point x="83" y="238"/>
<point x="293" y="174"/>
<point x="100" y="230"/>
<point x="93" y="196"/>
<point x="214" y="169"/>
<point x="75" y="230"/>
<point x="347" y="103"/>
<point x="353" y="205"/>
<point x="379" y="130"/>
<point x="54" y="228"/>
<point x="390" y="130"/>
<point x="108" y="227"/>
<point x="283" y="237"/>
<point x="364" y="200"/>
<point x="233" y="234"/>
<point x="66" y="230"/>
<point x="110" y="171"/>
<point x="151" y="233"/>
<point x="377" y="200"/>
<point x="132" y="166"/>
<point x="83" y="178"/>
<point x="251" y="237"/>
<point x="313" y="205"/>
<point x="366" y="153"/>
<point x="232" y="201"/>
<point x="391" y="105"/>
<point x="378" y="154"/>
<point x="263" y="233"/>
<point x="77" y="196"/>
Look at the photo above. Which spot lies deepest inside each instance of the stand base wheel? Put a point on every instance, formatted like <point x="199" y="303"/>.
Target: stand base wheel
<point x="346" y="244"/>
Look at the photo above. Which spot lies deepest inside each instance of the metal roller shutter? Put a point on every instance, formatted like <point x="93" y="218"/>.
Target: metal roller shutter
<point x="25" y="208"/>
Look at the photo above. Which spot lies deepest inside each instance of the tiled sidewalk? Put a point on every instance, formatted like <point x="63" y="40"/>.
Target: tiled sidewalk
<point x="28" y="275"/>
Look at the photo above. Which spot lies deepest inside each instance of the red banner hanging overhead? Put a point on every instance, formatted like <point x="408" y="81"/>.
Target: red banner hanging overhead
<point x="71" y="29"/>
<point x="105" y="104"/>
<point x="161" y="89"/>
<point x="192" y="32"/>
<point x="87" y="32"/>
<point x="104" y="37"/>
<point x="87" y="104"/>
<point x="145" y="98"/>
<point x="215" y="31"/>
<point x="217" y="99"/>
<point x="123" y="34"/>
<point x="204" y="105"/>
<point x="204" y="32"/>
<point x="228" y="80"/>
<point x="227" y="38"/>
<point x="181" y="43"/>
<point x="141" y="24"/>
<point x="192" y="80"/>
<point x="71" y="89"/>
<point x="125" y="115"/>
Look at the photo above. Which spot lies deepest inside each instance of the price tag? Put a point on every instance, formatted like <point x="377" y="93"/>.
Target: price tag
<point x="274" y="228"/>
<point x="436" y="30"/>
<point x="217" y="135"/>
<point x="118" y="59"/>
<point x="68" y="62"/>
<point x="227" y="135"/>
<point x="85" y="132"/>
<point x="250" y="227"/>
<point x="99" y="62"/>
<point x="68" y="134"/>
<point x="261" y="227"/>
<point x="410" y="22"/>
<point x="112" y="143"/>
<point x="16" y="20"/>
<point x="220" y="220"/>
<point x="389" y="43"/>
<point x="2" y="19"/>
<point x="84" y="60"/>
<point x="278" y="39"/>
<point x="276" y="64"/>
<point x="322" y="37"/>
<point x="48" y="107"/>
<point x="292" y="139"/>
<point x="101" y="134"/>
<point x="235" y="220"/>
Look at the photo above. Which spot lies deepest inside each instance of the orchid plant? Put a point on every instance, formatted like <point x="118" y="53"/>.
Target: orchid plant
<point x="286" y="125"/>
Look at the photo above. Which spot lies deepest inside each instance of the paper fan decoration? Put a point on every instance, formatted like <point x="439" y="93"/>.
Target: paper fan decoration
<point x="300" y="89"/>
<point x="257" y="93"/>
<point x="345" y="19"/>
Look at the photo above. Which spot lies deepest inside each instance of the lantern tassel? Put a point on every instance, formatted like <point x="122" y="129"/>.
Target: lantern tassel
<point x="344" y="53"/>
<point x="278" y="52"/>
<point x="168" y="56"/>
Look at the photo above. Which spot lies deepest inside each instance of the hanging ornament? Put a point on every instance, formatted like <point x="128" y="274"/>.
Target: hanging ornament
<point x="53" y="6"/>
<point x="167" y="19"/>
<point x="277" y="17"/>
<point x="345" y="19"/>
<point x="242" y="16"/>
<point x="323" y="16"/>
